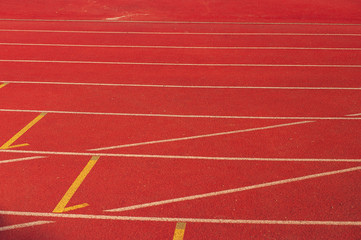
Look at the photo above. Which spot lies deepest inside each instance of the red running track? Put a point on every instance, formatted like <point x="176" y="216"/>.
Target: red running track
<point x="235" y="152"/>
<point x="336" y="11"/>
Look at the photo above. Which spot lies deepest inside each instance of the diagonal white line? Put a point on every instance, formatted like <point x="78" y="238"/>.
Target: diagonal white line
<point x="354" y="115"/>
<point x="199" y="136"/>
<point x="21" y="159"/>
<point x="185" y="33"/>
<point x="182" y="157"/>
<point x="170" y="219"/>
<point x="178" y="115"/>
<point x="176" y="47"/>
<point x="184" y="86"/>
<point x="184" y="64"/>
<point x="24" y="225"/>
<point x="234" y="190"/>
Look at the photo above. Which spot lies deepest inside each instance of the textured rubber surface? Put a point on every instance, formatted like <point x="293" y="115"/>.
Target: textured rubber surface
<point x="241" y="149"/>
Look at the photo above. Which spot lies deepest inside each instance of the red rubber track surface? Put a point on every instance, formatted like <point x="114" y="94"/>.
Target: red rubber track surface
<point x="336" y="11"/>
<point x="241" y="131"/>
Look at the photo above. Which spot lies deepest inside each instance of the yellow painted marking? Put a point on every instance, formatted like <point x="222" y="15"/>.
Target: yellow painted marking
<point x="3" y="85"/>
<point x="8" y="145"/>
<point x="61" y="207"/>
<point x="19" y="145"/>
<point x="179" y="231"/>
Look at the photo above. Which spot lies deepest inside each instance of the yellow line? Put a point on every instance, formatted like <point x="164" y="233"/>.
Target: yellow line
<point x="61" y="207"/>
<point x="179" y="231"/>
<point x="3" y="85"/>
<point x="7" y="145"/>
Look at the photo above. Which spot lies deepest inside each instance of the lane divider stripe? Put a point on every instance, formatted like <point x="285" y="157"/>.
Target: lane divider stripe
<point x="185" y="33"/>
<point x="185" y="86"/>
<point x="180" y="22"/>
<point x="184" y="64"/>
<point x="188" y="220"/>
<point x="183" y="157"/>
<point x="176" y="47"/>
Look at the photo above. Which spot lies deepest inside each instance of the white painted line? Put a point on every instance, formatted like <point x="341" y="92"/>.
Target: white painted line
<point x="182" y="157"/>
<point x="20" y="159"/>
<point x="184" y="64"/>
<point x="169" y="219"/>
<point x="24" y="225"/>
<point x="199" y="136"/>
<point x="177" y="115"/>
<point x="184" y="86"/>
<point x="354" y="115"/>
<point x="234" y="190"/>
<point x="181" y="22"/>
<point x="185" y="33"/>
<point x="177" y="47"/>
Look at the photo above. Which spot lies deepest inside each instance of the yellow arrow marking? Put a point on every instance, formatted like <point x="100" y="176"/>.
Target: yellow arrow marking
<point x="3" y="85"/>
<point x="61" y="207"/>
<point x="8" y="145"/>
<point x="179" y="231"/>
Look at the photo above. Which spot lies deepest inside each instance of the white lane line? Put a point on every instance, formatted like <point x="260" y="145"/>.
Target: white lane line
<point x="184" y="64"/>
<point x="21" y="159"/>
<point x="198" y="136"/>
<point x="180" y="22"/>
<point x="185" y="33"/>
<point x="24" y="225"/>
<point x="178" y="47"/>
<point x="183" y="86"/>
<point x="170" y="219"/>
<point x="182" y="157"/>
<point x="178" y="115"/>
<point x="234" y="190"/>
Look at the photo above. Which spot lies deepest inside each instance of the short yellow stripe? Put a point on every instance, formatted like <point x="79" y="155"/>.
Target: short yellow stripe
<point x="179" y="231"/>
<point x="3" y="85"/>
<point x="21" y="132"/>
<point x="61" y="207"/>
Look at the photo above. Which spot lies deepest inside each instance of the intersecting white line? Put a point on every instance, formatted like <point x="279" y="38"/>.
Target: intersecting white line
<point x="176" y="47"/>
<point x="170" y="219"/>
<point x="182" y="157"/>
<point x="183" y="86"/>
<point x="178" y="115"/>
<point x="199" y="136"/>
<point x="21" y="159"/>
<point x="24" y="225"/>
<point x="234" y="190"/>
